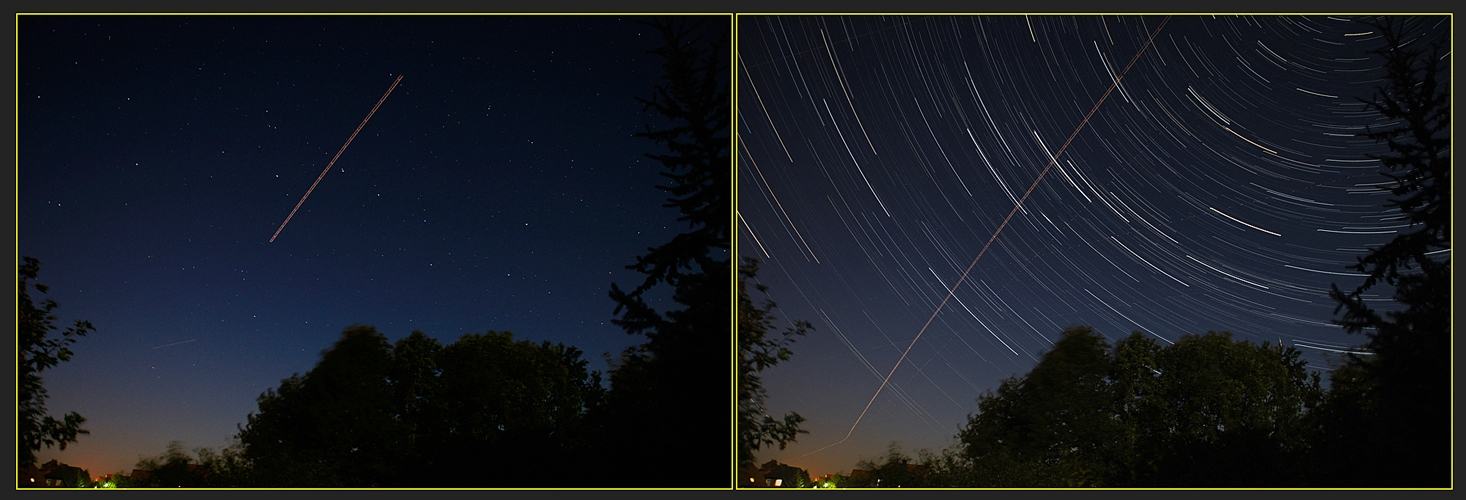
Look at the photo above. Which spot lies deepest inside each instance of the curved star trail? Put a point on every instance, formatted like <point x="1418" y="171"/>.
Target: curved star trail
<point x="1221" y="187"/>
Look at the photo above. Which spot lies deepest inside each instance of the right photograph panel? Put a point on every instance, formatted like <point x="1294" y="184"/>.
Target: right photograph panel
<point x="1154" y="251"/>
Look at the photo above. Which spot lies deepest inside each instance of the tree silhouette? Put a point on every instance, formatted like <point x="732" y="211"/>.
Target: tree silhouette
<point x="508" y="411"/>
<point x="673" y="389"/>
<point x="894" y="469"/>
<point x="484" y="411"/>
<point x="335" y="426"/>
<point x="174" y="468"/>
<point x="1206" y="411"/>
<point x="1053" y="427"/>
<point x="1411" y="368"/>
<point x="36" y="351"/>
<point x="760" y="347"/>
<point x="1218" y="412"/>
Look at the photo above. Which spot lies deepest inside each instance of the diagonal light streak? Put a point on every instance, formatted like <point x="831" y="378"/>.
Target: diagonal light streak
<point x="1052" y="159"/>
<point x="333" y="159"/>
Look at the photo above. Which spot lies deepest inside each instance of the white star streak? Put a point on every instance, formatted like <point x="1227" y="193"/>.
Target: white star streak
<point x="1239" y="221"/>
<point x="852" y="158"/>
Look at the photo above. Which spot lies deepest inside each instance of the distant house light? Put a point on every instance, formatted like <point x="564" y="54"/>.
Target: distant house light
<point x="778" y="483"/>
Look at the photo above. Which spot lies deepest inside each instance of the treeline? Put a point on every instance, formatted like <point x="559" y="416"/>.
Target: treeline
<point x="484" y="411"/>
<point x="1208" y="411"/>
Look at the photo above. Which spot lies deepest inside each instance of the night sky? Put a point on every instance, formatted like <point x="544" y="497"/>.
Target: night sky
<point x="498" y="188"/>
<point x="1220" y="187"/>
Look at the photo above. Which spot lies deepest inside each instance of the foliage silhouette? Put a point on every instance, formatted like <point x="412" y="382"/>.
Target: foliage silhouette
<point x="672" y="389"/>
<point x="333" y="427"/>
<point x="177" y="468"/>
<point x="1206" y="411"/>
<point x="1055" y="426"/>
<point x="894" y="469"/>
<point x="761" y="347"/>
<point x="1222" y="413"/>
<point x="1402" y="393"/>
<point x="512" y="408"/>
<point x="37" y="351"/>
<point x="485" y="411"/>
<point x="173" y="468"/>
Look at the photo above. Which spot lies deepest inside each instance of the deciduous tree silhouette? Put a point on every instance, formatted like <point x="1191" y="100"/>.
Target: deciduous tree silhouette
<point x="177" y="468"/>
<point x="484" y="411"/>
<point x="894" y="469"/>
<point x="1206" y="411"/>
<point x="512" y="414"/>
<point x="333" y="427"/>
<point x="174" y="468"/>
<point x="1212" y="411"/>
<point x="1053" y="427"/>
<point x="36" y="351"/>
<point x="760" y="346"/>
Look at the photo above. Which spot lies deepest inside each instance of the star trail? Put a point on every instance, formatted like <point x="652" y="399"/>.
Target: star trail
<point x="1221" y="186"/>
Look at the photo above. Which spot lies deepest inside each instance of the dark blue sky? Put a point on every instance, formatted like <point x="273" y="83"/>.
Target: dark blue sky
<point x="498" y="188"/>
<point x="1219" y="187"/>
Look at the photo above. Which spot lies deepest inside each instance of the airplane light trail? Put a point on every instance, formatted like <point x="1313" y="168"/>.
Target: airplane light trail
<point x="1016" y="207"/>
<point x="171" y="345"/>
<point x="333" y="159"/>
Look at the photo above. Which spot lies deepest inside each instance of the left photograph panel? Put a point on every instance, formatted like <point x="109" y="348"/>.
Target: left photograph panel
<point x="374" y="251"/>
